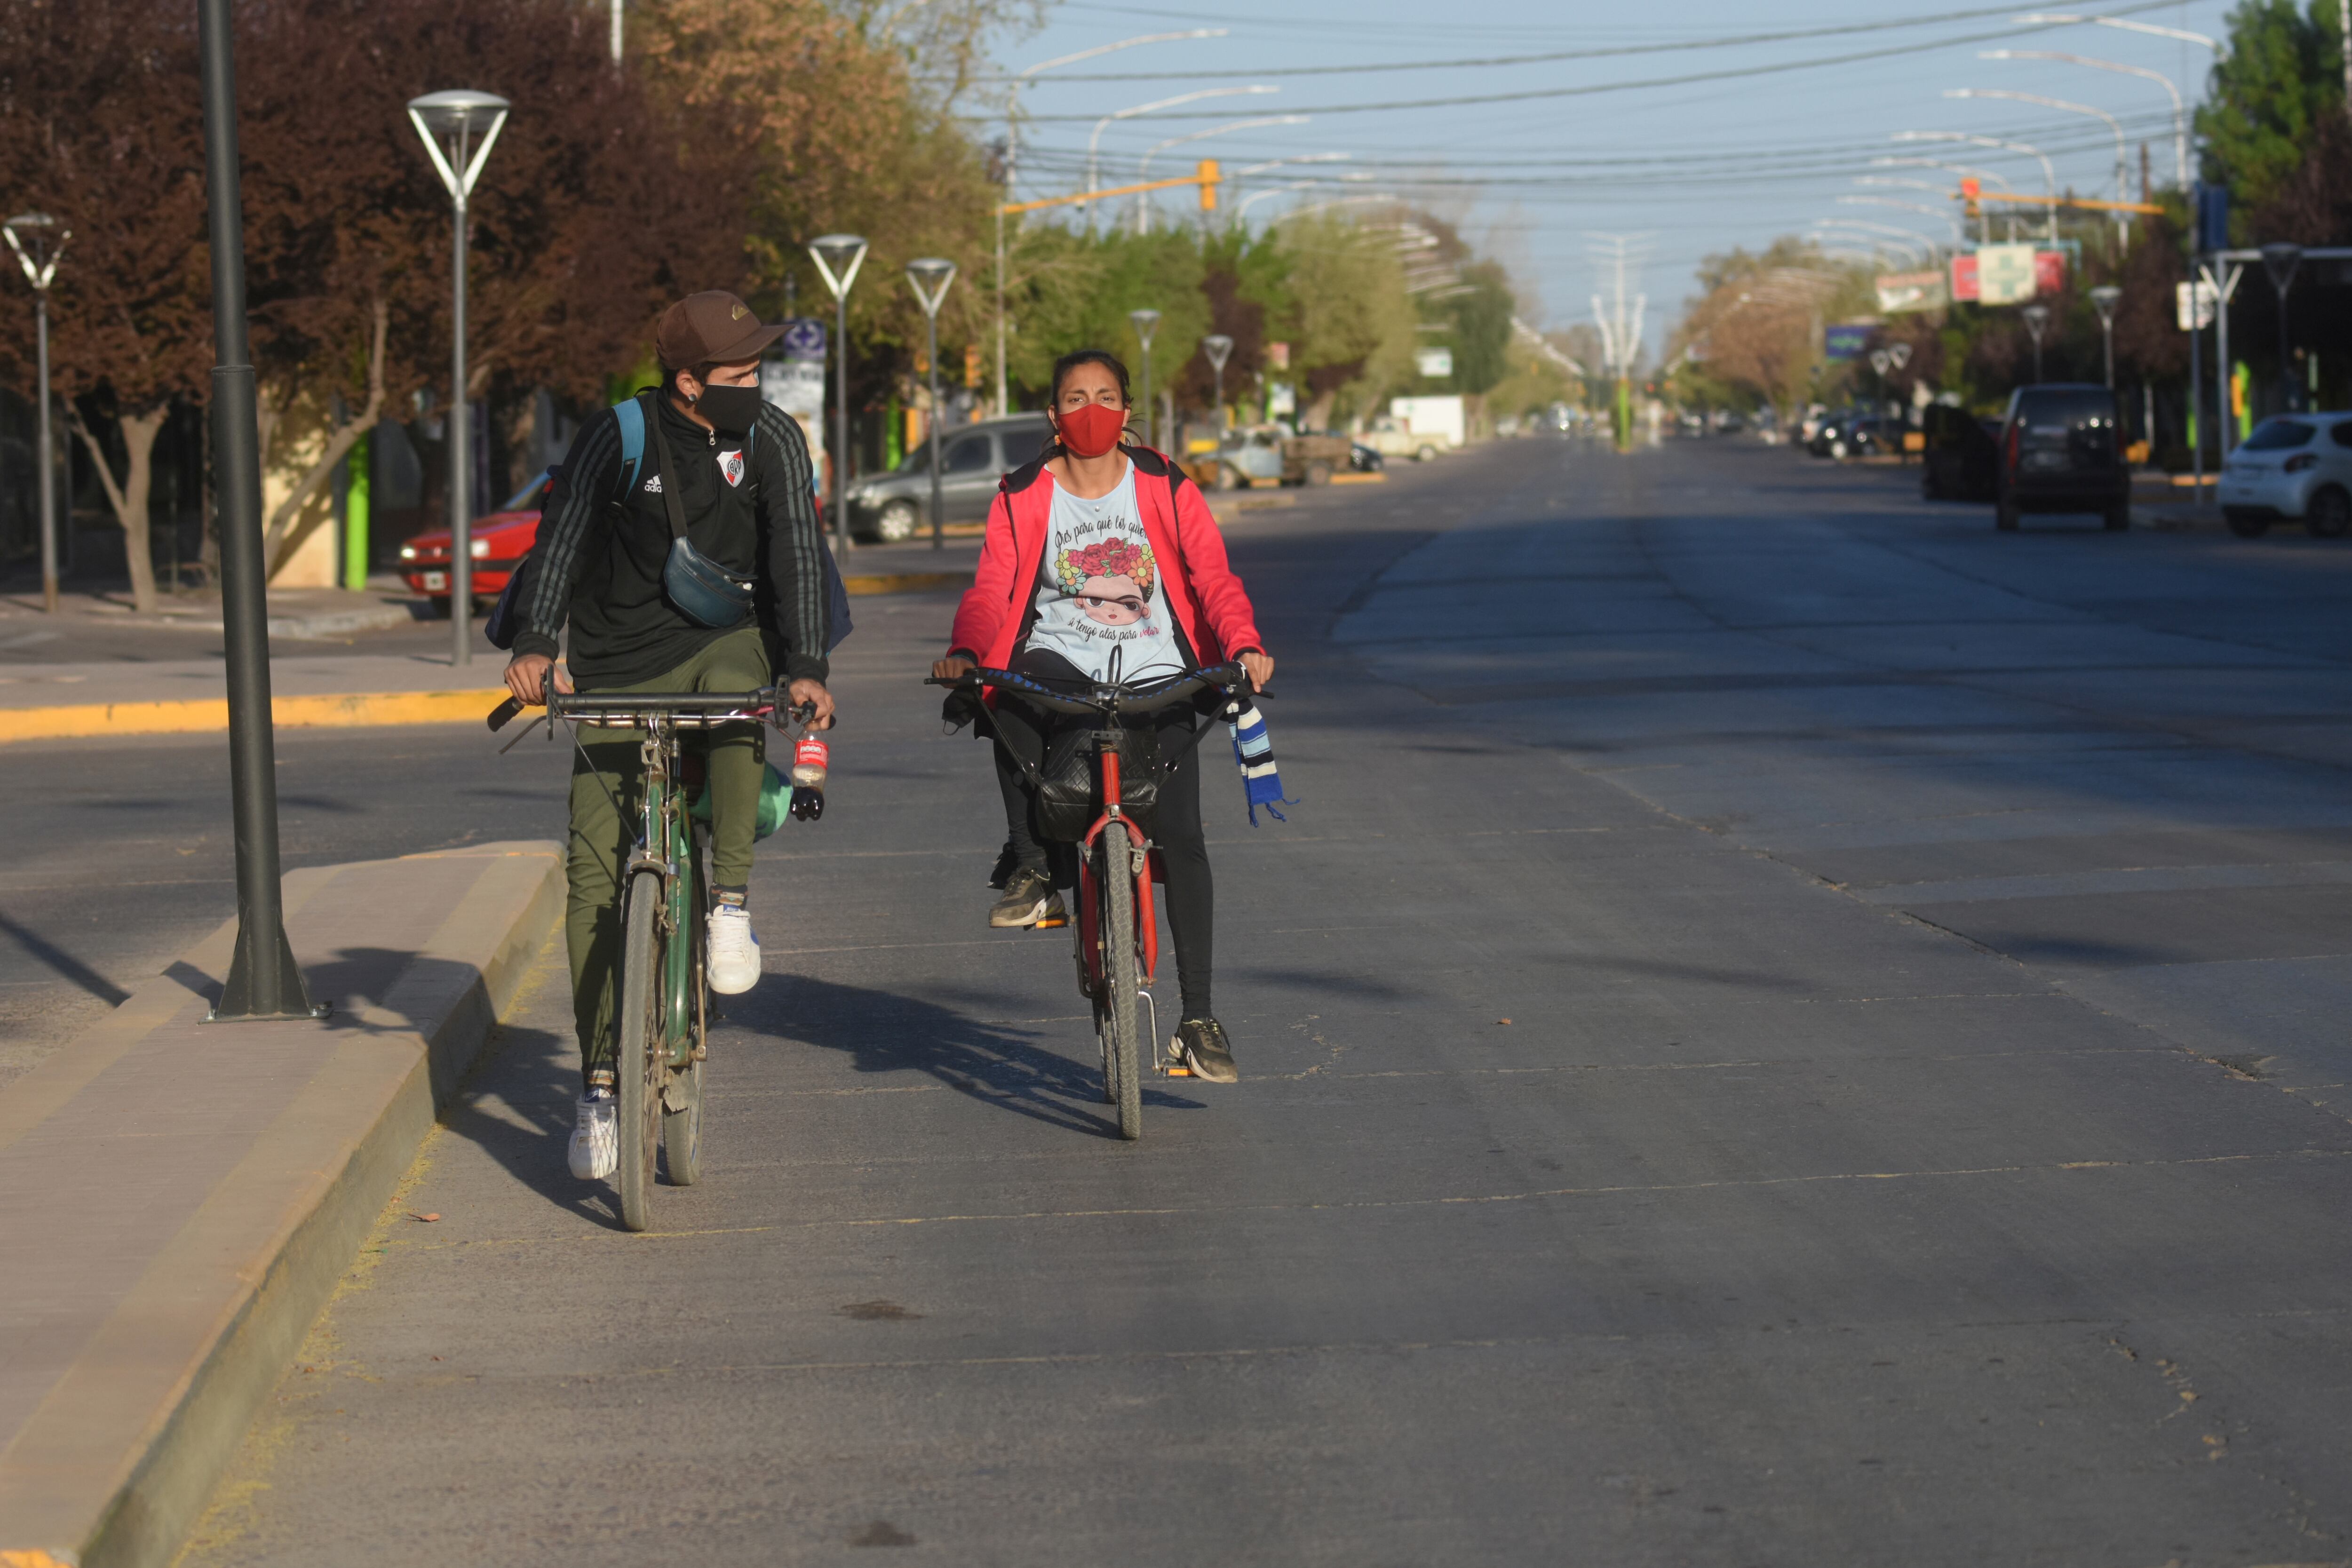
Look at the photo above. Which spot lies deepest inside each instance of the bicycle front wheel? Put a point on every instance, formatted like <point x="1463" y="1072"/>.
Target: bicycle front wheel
<point x="641" y="1066"/>
<point x="1118" y="1002"/>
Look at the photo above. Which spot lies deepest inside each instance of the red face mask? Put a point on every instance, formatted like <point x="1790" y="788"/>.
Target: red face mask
<point x="1091" y="431"/>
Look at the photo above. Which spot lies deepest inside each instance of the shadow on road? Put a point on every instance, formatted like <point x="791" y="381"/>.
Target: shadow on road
<point x="66" y="965"/>
<point x="998" y="1065"/>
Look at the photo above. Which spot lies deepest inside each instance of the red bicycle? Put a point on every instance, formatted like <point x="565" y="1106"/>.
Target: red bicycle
<point x="1097" y="789"/>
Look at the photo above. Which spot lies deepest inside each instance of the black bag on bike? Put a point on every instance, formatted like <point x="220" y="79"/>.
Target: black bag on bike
<point x="1069" y="787"/>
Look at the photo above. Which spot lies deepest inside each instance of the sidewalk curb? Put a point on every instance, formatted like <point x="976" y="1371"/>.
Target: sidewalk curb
<point x="202" y="715"/>
<point x="122" y="1454"/>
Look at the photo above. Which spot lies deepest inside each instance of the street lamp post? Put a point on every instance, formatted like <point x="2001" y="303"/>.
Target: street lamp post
<point x="454" y="117"/>
<point x="264" y="981"/>
<point x="929" y="279"/>
<point x="2180" y="110"/>
<point x="1094" y="141"/>
<point x="1217" y="348"/>
<point x="2026" y="149"/>
<point x="2068" y="105"/>
<point x="2106" y="297"/>
<point x="40" y="260"/>
<point x="2037" y="319"/>
<point x="838" y="256"/>
<point x="1146" y="324"/>
<point x="1143" y="167"/>
<point x="2280" y="260"/>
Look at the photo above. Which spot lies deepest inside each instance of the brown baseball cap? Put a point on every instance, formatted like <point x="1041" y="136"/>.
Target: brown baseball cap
<point x="710" y="328"/>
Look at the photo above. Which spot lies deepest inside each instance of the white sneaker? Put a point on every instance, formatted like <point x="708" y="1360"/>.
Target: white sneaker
<point x="596" y="1137"/>
<point x="734" y="951"/>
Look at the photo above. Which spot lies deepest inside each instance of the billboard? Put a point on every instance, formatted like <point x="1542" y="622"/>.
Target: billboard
<point x="1433" y="363"/>
<point x="1845" y="339"/>
<point x="2005" y="274"/>
<point x="1912" y="292"/>
<point x="1964" y="277"/>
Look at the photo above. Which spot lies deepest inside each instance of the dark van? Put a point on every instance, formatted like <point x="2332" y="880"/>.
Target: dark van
<point x="1959" y="457"/>
<point x="2061" y="451"/>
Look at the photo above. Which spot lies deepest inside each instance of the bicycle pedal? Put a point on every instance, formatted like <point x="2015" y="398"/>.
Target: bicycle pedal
<point x="1051" y="924"/>
<point x="1178" y="1069"/>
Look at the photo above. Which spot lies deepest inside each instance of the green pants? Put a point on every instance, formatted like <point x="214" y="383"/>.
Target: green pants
<point x="608" y="807"/>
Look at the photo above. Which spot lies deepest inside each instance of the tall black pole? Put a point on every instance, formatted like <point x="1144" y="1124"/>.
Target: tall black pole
<point x="263" y="980"/>
<point x="49" y="462"/>
<point x="461" y="436"/>
<point x="841" y="420"/>
<point x="938" y="536"/>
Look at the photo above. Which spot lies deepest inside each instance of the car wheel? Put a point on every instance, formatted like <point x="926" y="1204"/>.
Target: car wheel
<point x="2118" y="517"/>
<point x="2329" y="516"/>
<point x="897" y="521"/>
<point x="438" y="607"/>
<point x="1319" y="473"/>
<point x="2004" y="516"/>
<point x="1426" y="454"/>
<point x="2250" y="527"/>
<point x="1227" y="478"/>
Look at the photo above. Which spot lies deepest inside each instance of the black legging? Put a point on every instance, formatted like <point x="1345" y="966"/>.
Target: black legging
<point x="1191" y="895"/>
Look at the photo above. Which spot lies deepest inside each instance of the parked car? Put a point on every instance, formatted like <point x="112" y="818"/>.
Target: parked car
<point x="1271" y="455"/>
<point x="1363" y="459"/>
<point x="897" y="505"/>
<point x="2061" y="451"/>
<point x="497" y="541"/>
<point x="1392" y="438"/>
<point x="1962" y="455"/>
<point x="2292" y="467"/>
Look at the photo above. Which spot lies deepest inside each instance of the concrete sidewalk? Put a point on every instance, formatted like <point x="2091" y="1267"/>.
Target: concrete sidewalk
<point x="183" y="1196"/>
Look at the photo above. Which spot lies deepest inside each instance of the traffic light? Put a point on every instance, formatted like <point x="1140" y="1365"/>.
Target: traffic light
<point x="1209" y="176"/>
<point x="1971" y="188"/>
<point x="971" y="365"/>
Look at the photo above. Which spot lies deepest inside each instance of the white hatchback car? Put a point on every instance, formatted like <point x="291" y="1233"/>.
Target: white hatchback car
<point x="2294" y="466"/>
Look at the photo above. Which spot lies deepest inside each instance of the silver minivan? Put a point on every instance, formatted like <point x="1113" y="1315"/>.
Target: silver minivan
<point x="898" y="505"/>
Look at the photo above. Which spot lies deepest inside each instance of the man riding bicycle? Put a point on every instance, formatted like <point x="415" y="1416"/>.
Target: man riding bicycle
<point x="1100" y="557"/>
<point x="647" y="565"/>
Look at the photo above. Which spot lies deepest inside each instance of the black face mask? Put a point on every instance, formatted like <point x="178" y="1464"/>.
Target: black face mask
<point x="729" y="407"/>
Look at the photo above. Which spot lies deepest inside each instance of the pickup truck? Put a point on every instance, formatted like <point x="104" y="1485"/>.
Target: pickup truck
<point x="1391" y="439"/>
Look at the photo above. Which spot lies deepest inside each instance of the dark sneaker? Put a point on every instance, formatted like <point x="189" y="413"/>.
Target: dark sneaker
<point x="1201" y="1047"/>
<point x="1029" y="901"/>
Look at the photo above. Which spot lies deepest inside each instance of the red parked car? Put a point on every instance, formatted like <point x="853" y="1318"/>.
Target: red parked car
<point x="500" y="541"/>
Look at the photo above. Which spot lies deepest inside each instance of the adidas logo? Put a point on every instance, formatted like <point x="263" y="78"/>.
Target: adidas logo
<point x="653" y="486"/>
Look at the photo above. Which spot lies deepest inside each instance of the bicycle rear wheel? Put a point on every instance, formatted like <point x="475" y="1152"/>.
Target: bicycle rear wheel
<point x="640" y="1069"/>
<point x="1118" y="1002"/>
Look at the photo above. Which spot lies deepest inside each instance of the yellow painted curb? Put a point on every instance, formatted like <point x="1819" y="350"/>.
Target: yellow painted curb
<point x="344" y="710"/>
<point x="1371" y="478"/>
<point x="904" y="582"/>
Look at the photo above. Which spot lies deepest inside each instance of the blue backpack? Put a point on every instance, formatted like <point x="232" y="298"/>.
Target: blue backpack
<point x="504" y="620"/>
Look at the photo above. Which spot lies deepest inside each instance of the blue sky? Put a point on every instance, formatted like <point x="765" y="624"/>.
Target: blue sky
<point x="1531" y="161"/>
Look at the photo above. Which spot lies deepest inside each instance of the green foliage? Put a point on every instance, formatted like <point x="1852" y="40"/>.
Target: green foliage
<point x="2284" y="73"/>
<point x="1482" y="326"/>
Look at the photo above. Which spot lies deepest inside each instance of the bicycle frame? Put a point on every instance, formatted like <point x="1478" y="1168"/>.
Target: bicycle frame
<point x="668" y="845"/>
<point x="1146" y="928"/>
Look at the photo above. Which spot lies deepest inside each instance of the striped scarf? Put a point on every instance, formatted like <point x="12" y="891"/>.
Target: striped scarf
<point x="1253" y="752"/>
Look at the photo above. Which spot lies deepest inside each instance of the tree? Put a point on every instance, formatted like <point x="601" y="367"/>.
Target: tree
<point x="2282" y="76"/>
<point x="1481" y="314"/>
<point x="1352" y="324"/>
<point x="100" y="127"/>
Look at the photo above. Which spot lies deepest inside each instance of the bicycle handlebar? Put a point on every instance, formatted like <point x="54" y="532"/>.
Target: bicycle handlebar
<point x="698" y="708"/>
<point x="1104" y="699"/>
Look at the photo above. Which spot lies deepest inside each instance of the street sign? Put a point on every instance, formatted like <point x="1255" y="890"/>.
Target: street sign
<point x="1434" y="362"/>
<point x="803" y="339"/>
<point x="1845" y="339"/>
<point x="2005" y="274"/>
<point x="2193" y="305"/>
<point x="1912" y="292"/>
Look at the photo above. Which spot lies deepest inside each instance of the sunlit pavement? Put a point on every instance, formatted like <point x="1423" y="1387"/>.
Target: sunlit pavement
<point x="1784" y="1027"/>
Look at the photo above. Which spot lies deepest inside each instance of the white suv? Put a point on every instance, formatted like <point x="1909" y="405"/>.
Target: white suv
<point x="2293" y="466"/>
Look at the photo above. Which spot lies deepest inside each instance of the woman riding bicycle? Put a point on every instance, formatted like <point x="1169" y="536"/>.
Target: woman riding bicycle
<point x="1098" y="551"/>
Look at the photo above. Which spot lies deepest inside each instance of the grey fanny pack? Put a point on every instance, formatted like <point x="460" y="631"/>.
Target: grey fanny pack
<point x="704" y="592"/>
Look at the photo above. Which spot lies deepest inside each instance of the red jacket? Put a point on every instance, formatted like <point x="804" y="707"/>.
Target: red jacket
<point x="1207" y="600"/>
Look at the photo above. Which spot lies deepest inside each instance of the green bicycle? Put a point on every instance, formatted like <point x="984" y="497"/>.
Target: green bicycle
<point x="662" y="996"/>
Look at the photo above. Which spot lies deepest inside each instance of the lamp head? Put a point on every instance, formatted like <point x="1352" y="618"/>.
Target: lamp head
<point x="2036" y="318"/>
<point x="1218" y="348"/>
<point x="838" y="256"/>
<point x="1146" y="322"/>
<point x="2280" y="260"/>
<point x="31" y="220"/>
<point x="2105" y="298"/>
<point x="459" y="108"/>
<point x="929" y="277"/>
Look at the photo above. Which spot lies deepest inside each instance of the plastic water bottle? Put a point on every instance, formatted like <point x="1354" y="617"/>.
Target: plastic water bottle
<point x="810" y="756"/>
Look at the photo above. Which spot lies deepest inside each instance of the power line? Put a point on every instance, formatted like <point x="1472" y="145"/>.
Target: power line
<point x="1589" y="89"/>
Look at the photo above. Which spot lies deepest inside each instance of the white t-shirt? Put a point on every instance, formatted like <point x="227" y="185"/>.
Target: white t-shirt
<point x="1099" y="588"/>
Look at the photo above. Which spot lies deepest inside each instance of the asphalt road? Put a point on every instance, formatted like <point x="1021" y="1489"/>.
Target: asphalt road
<point x="1785" y="1028"/>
